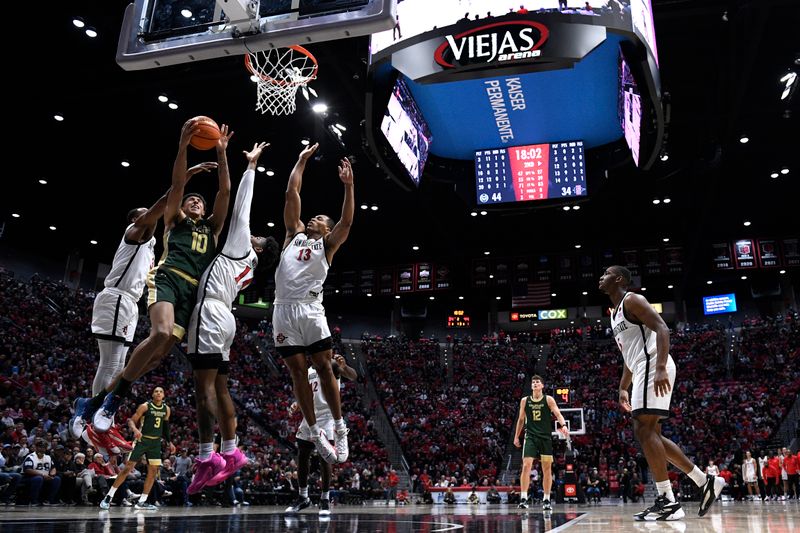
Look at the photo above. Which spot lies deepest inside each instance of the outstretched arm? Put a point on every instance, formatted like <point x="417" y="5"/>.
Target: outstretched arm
<point x="220" y="211"/>
<point x="238" y="241"/>
<point x="172" y="211"/>
<point x="341" y="230"/>
<point x="291" y="210"/>
<point x="144" y="226"/>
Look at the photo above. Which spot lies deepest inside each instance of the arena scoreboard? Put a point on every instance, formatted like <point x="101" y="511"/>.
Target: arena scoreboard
<point x="458" y="319"/>
<point x="532" y="172"/>
<point x="562" y="393"/>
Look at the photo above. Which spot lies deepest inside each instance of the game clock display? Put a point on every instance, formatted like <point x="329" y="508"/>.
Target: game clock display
<point x="533" y="172"/>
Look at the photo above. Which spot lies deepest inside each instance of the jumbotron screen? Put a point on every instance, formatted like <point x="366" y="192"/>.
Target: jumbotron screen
<point x="532" y="172"/>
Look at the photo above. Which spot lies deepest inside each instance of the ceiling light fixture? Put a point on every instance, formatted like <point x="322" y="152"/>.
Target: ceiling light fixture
<point x="91" y="32"/>
<point x="78" y="22"/>
<point x="173" y="105"/>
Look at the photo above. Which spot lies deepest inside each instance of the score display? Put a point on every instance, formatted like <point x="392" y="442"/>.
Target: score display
<point x="563" y="394"/>
<point x="532" y="172"/>
<point x="458" y="319"/>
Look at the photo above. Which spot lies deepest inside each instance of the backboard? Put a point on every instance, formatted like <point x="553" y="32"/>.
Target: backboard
<point x="158" y="33"/>
<point x="573" y="416"/>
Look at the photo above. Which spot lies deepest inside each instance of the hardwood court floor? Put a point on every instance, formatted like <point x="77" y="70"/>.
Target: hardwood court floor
<point x="773" y="517"/>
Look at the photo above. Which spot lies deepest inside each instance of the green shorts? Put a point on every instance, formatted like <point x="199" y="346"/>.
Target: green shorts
<point x="166" y="284"/>
<point x="149" y="447"/>
<point x="541" y="447"/>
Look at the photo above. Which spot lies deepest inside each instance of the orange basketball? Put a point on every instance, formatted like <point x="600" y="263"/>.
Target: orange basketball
<point x="209" y="133"/>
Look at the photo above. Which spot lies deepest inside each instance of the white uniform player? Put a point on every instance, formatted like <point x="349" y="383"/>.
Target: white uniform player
<point x="321" y="409"/>
<point x="298" y="320"/>
<point x="750" y="471"/>
<point x="116" y="311"/>
<point x="212" y="326"/>
<point x="637" y="343"/>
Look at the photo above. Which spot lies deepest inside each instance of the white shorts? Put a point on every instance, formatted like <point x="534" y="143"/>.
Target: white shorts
<point x="784" y="475"/>
<point x="644" y="399"/>
<point x="114" y="316"/>
<point x="216" y="330"/>
<point x="325" y="424"/>
<point x="298" y="326"/>
<point x="750" y="479"/>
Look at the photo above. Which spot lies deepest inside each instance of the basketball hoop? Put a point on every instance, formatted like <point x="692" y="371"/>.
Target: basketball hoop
<point x="280" y="72"/>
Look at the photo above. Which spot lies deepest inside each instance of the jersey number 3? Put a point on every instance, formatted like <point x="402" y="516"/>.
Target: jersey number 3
<point x="304" y="255"/>
<point x="199" y="242"/>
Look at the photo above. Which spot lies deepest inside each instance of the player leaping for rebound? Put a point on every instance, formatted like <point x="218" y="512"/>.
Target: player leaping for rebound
<point x="298" y="320"/>
<point x="212" y="329"/>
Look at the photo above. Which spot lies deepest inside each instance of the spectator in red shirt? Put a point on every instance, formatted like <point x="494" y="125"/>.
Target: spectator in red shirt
<point x="790" y="488"/>
<point x="391" y="485"/>
<point x="772" y="474"/>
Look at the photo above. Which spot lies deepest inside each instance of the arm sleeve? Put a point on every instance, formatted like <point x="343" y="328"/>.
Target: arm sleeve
<point x="238" y="242"/>
<point x="166" y="430"/>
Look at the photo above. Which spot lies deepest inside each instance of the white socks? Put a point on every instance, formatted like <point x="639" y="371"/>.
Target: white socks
<point x="111" y="492"/>
<point x="665" y="488"/>
<point x="304" y="492"/>
<point x="339" y="423"/>
<point x="523" y="495"/>
<point x="143" y="498"/>
<point x="206" y="449"/>
<point x="228" y="446"/>
<point x="325" y="495"/>
<point x="697" y="476"/>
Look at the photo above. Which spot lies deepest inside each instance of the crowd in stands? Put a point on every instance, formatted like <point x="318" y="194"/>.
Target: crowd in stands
<point x="48" y="358"/>
<point x="451" y="405"/>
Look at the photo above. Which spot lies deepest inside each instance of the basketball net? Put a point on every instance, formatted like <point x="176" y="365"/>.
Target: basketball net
<point x="279" y="73"/>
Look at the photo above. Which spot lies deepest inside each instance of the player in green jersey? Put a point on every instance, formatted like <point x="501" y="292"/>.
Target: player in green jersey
<point x="189" y="246"/>
<point x="536" y="413"/>
<point x="149" y="424"/>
